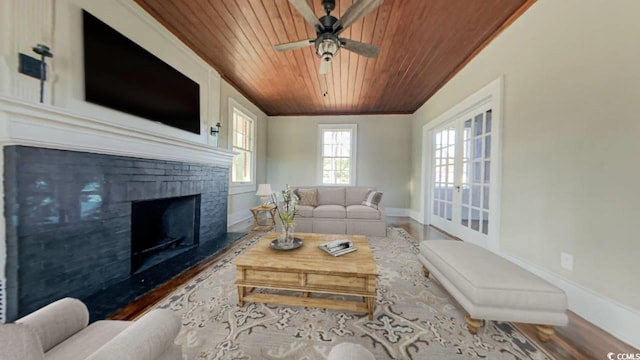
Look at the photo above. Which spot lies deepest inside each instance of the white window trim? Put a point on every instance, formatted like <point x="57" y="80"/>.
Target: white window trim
<point x="354" y="151"/>
<point x="235" y="187"/>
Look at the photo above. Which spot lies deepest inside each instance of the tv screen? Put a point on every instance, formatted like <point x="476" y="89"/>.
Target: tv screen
<point x="121" y="75"/>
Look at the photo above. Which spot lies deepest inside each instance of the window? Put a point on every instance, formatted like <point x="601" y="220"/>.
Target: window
<point x="338" y="154"/>
<point x="243" y="142"/>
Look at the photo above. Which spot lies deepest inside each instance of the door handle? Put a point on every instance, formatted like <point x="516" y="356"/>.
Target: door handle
<point x="458" y="188"/>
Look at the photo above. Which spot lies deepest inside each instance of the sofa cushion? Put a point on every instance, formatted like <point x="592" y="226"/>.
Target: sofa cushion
<point x="81" y="345"/>
<point x="362" y="212"/>
<point x="305" y="211"/>
<point x="308" y="197"/>
<point x="330" y="212"/>
<point x="331" y="196"/>
<point x="372" y="199"/>
<point x="355" y="195"/>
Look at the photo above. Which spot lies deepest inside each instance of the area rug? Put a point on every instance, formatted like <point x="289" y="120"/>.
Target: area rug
<point x="414" y="318"/>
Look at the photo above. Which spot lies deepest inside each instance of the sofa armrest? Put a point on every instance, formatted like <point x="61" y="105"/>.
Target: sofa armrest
<point x="19" y="342"/>
<point x="146" y="339"/>
<point x="57" y="321"/>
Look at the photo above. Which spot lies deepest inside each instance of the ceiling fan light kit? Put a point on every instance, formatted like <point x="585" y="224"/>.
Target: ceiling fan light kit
<point x="327" y="45"/>
<point x="328" y="27"/>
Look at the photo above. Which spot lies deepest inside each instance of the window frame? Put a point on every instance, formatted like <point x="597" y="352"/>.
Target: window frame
<point x="354" y="151"/>
<point x="250" y="186"/>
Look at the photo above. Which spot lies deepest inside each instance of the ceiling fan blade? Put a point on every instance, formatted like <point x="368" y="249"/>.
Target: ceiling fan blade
<point x="294" y="45"/>
<point x="307" y="13"/>
<point x="325" y="66"/>
<point x="357" y="11"/>
<point x="360" y="48"/>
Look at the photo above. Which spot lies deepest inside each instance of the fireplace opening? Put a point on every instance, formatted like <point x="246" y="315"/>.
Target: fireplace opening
<point x="162" y="229"/>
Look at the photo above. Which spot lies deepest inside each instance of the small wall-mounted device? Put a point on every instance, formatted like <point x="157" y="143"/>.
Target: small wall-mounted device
<point x="215" y="131"/>
<point x="29" y="66"/>
<point x="35" y="68"/>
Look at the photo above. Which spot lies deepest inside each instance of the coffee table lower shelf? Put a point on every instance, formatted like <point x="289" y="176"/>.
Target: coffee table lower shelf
<point x="366" y="306"/>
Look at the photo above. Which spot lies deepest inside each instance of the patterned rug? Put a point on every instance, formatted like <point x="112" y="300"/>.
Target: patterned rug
<point x="414" y="318"/>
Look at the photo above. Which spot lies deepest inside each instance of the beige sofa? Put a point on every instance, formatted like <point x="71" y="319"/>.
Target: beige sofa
<point x="59" y="331"/>
<point x="340" y="211"/>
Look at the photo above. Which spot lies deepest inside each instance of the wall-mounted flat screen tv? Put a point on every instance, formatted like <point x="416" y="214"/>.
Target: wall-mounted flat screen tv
<point x="121" y="75"/>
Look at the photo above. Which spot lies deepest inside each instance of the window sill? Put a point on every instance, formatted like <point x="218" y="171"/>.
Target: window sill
<point x="241" y="188"/>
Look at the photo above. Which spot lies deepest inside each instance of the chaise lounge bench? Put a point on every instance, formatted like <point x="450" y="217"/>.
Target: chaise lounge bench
<point x="490" y="287"/>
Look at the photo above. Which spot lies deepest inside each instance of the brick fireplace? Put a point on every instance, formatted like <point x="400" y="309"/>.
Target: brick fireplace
<point x="70" y="186"/>
<point x="69" y="228"/>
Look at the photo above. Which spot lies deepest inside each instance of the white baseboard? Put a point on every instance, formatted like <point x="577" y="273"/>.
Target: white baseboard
<point x="617" y="319"/>
<point x="415" y="215"/>
<point x="238" y="217"/>
<point x="397" y="211"/>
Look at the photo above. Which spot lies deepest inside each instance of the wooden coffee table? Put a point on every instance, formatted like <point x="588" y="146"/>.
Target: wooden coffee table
<point x="309" y="270"/>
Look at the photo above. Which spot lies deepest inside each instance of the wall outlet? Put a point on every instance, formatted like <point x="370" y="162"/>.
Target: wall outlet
<point x="566" y="261"/>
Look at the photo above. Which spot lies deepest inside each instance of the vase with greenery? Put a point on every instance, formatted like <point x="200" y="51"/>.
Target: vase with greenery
<point x="287" y="212"/>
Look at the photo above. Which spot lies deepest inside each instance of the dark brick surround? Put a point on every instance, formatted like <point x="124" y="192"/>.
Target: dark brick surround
<point x="69" y="217"/>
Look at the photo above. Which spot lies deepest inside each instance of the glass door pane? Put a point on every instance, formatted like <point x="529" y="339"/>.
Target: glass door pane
<point x="444" y="150"/>
<point x="475" y="181"/>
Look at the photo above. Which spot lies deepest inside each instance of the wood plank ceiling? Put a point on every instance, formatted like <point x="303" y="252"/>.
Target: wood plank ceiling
<point x="422" y="44"/>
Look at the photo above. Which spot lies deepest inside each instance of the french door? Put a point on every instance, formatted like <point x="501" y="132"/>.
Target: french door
<point x="460" y="186"/>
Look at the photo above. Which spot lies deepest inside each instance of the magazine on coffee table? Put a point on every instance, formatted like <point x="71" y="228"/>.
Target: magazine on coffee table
<point x="338" y="247"/>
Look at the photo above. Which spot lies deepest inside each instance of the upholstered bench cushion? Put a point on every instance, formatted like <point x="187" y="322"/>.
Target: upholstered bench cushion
<point x="330" y="212"/>
<point x="492" y="286"/>
<point x="362" y="212"/>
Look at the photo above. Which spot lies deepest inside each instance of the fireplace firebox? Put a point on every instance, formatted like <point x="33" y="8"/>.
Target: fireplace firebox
<point x="162" y="229"/>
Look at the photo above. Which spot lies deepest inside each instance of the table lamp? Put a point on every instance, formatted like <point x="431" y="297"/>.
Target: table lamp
<point x="264" y="191"/>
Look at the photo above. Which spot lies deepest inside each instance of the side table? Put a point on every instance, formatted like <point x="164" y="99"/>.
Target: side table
<point x="261" y="226"/>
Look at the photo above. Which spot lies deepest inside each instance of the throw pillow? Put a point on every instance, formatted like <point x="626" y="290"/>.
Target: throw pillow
<point x="308" y="197"/>
<point x="372" y="199"/>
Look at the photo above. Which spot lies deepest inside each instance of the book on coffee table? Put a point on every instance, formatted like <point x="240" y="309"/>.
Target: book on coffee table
<point x="338" y="247"/>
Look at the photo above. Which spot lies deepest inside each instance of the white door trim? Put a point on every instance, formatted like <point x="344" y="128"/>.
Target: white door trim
<point x="490" y="94"/>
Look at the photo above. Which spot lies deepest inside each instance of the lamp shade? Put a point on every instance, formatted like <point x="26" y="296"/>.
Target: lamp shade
<point x="264" y="190"/>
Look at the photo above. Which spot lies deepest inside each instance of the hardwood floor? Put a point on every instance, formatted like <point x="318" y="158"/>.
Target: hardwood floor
<point x="579" y="340"/>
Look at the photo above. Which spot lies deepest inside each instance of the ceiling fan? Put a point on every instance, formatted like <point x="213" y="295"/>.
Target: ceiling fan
<point x="328" y="28"/>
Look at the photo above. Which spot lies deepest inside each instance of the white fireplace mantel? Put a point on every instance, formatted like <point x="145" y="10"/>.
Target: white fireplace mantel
<point x="29" y="124"/>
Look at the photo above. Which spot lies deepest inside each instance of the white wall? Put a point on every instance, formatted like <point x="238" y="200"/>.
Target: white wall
<point x="383" y="153"/>
<point x="570" y="143"/>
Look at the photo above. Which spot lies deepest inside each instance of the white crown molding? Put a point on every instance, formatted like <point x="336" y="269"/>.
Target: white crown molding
<point x="24" y="123"/>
